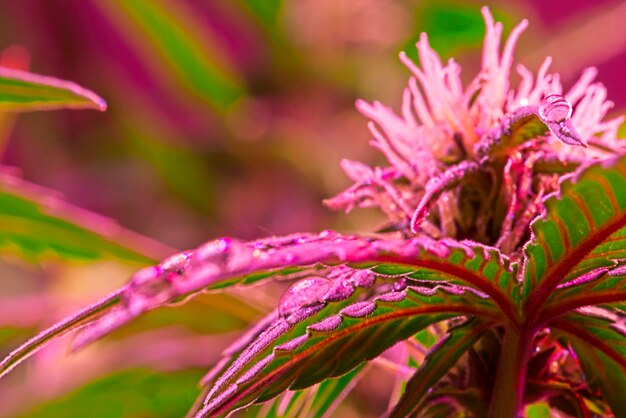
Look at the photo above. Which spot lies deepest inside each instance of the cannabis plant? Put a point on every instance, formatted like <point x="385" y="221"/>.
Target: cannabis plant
<point x="505" y="244"/>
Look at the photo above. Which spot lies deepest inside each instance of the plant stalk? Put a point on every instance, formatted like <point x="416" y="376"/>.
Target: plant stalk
<point x="507" y="399"/>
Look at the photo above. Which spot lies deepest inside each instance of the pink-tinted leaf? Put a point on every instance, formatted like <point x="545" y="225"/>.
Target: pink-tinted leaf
<point x="22" y="91"/>
<point x="227" y="262"/>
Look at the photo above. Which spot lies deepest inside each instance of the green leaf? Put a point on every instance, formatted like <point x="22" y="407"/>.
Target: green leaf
<point x="538" y="410"/>
<point x="313" y="353"/>
<point x="265" y="10"/>
<point x="583" y="230"/>
<point x="226" y="262"/>
<point x="601" y="351"/>
<point x="316" y="401"/>
<point x="440" y="359"/>
<point x="172" y="35"/>
<point x="126" y="394"/>
<point x="37" y="224"/>
<point x="21" y="91"/>
<point x="330" y="392"/>
<point x="451" y="25"/>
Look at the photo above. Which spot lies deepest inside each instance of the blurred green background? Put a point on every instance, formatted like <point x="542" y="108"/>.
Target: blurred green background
<point x="226" y="117"/>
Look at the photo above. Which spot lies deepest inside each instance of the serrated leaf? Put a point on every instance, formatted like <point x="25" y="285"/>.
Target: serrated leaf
<point x="600" y="346"/>
<point x="358" y="334"/>
<point x="38" y="224"/>
<point x="22" y="91"/>
<point x="582" y="231"/>
<point x="226" y="262"/>
<point x="171" y="34"/>
<point x="437" y="363"/>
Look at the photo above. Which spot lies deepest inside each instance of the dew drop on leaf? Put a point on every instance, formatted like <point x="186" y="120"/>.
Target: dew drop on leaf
<point x="306" y="292"/>
<point x="555" y="109"/>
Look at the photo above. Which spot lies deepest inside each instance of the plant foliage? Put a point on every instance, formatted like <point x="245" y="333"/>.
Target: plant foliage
<point x="507" y="245"/>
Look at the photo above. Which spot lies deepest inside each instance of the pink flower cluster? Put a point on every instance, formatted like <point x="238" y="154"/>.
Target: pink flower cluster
<point x="441" y="122"/>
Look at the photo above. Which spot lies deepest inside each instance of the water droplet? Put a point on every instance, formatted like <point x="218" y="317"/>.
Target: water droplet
<point x="176" y="263"/>
<point x="399" y="285"/>
<point x="301" y="314"/>
<point x="363" y="278"/>
<point x="329" y="233"/>
<point x="306" y="292"/>
<point x="340" y="289"/>
<point x="213" y="251"/>
<point x="555" y="109"/>
<point x="148" y="287"/>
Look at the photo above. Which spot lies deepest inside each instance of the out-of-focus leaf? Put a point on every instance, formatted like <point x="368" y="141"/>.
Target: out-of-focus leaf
<point x="227" y="313"/>
<point x="451" y="25"/>
<point x="59" y="329"/>
<point x="600" y="346"/>
<point x="426" y="338"/>
<point x="182" y="169"/>
<point x="265" y="10"/>
<point x="37" y="223"/>
<point x="581" y="237"/>
<point x="170" y="33"/>
<point x="22" y="91"/>
<point x="316" y="401"/>
<point x="437" y="363"/>
<point x="330" y="392"/>
<point x="127" y="394"/>
<point x="538" y="410"/>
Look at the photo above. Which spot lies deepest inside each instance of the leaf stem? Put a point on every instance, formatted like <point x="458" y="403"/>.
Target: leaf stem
<point x="508" y="392"/>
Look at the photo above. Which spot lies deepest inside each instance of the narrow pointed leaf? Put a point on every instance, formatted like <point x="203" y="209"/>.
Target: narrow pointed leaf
<point x="437" y="363"/>
<point x="520" y="126"/>
<point x="38" y="224"/>
<point x="583" y="230"/>
<point x="316" y="401"/>
<point x="22" y="91"/>
<point x="331" y="392"/>
<point x="359" y="332"/>
<point x="600" y="346"/>
<point x="72" y="323"/>
<point x="227" y="262"/>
